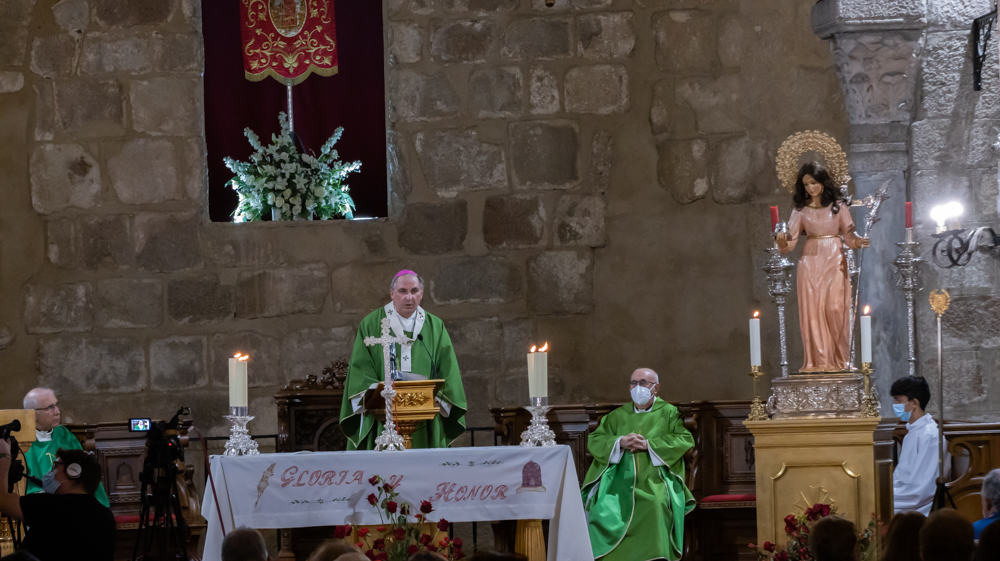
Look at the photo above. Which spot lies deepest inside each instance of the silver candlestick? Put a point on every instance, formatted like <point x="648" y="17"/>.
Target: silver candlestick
<point x="908" y="264"/>
<point x="389" y="439"/>
<point x="240" y="443"/>
<point x="538" y="432"/>
<point x="779" y="284"/>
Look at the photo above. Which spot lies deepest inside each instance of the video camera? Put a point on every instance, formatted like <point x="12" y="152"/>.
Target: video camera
<point x="163" y="449"/>
<point x="16" y="472"/>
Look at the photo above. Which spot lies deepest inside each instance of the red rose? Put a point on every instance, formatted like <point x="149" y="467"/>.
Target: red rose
<point x="432" y="548"/>
<point x="404" y="509"/>
<point x="363" y="532"/>
<point x="790" y="519"/>
<point x="360" y="544"/>
<point x="425" y="539"/>
<point x="769" y="547"/>
<point x="399" y="533"/>
<point x="372" y="499"/>
<point x="412" y="549"/>
<point x="387" y="488"/>
<point x="379" y="544"/>
<point x="370" y="554"/>
<point x="781" y="556"/>
<point x="457" y="542"/>
<point x="338" y="532"/>
<point x="390" y="507"/>
<point x="443" y="525"/>
<point x="825" y="510"/>
<point x="373" y="480"/>
<point x="443" y="543"/>
<point x="380" y="528"/>
<point x="426" y="507"/>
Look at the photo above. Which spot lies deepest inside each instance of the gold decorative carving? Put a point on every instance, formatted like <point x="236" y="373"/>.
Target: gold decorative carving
<point x="940" y="300"/>
<point x="787" y="160"/>
<point x="817" y="495"/>
<point x="411" y="399"/>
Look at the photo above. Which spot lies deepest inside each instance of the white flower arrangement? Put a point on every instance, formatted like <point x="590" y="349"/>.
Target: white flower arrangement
<point x="280" y="181"/>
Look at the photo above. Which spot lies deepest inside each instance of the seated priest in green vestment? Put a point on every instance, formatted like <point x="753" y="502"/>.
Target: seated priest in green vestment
<point x="634" y="492"/>
<point x="429" y="354"/>
<point x="50" y="436"/>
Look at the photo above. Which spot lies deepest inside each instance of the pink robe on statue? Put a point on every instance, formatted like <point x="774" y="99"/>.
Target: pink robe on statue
<point x="824" y="286"/>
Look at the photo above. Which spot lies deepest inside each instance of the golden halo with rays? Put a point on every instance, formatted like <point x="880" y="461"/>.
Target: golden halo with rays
<point x="787" y="161"/>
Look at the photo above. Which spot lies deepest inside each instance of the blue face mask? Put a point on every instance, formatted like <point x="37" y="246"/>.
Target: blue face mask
<point x="49" y="483"/>
<point x="899" y="409"/>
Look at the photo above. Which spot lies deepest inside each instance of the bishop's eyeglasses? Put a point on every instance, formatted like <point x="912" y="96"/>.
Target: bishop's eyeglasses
<point x="643" y="383"/>
<point x="51" y="408"/>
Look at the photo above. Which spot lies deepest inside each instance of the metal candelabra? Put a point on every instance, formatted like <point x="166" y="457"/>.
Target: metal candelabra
<point x="240" y="443"/>
<point x="779" y="284"/>
<point x="908" y="264"/>
<point x="869" y="403"/>
<point x="757" y="410"/>
<point x="538" y="432"/>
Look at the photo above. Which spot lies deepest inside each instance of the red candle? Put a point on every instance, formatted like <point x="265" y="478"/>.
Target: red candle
<point x="909" y="215"/>
<point x="774" y="216"/>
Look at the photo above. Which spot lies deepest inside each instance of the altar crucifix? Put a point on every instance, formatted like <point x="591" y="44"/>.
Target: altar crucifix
<point x="389" y="439"/>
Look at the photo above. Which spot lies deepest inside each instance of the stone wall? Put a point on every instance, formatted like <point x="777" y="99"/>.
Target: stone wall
<point x="594" y="174"/>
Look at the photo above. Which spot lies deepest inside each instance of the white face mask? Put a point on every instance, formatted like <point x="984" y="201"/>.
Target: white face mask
<point x="641" y="395"/>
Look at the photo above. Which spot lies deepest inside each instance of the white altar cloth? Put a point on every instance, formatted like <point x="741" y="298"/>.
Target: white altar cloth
<point x="465" y="484"/>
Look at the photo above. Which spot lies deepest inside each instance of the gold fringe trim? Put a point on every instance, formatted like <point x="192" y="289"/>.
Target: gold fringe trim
<point x="290" y="82"/>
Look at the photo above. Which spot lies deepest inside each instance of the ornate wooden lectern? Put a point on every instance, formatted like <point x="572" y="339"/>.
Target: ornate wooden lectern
<point x="414" y="402"/>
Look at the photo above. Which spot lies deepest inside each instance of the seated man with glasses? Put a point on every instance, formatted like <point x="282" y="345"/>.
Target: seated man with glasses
<point x="50" y="436"/>
<point x="634" y="492"/>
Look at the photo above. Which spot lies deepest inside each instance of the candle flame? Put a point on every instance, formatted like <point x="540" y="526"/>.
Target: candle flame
<point x="756" y="314"/>
<point x="533" y="347"/>
<point x="867" y="309"/>
<point x="237" y="355"/>
<point x="545" y="347"/>
<point x="244" y="358"/>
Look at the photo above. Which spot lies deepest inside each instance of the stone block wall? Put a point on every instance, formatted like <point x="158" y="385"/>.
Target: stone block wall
<point x="953" y="157"/>
<point x="595" y="175"/>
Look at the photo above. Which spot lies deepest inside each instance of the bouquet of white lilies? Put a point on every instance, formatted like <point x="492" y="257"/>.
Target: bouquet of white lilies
<point x="289" y="185"/>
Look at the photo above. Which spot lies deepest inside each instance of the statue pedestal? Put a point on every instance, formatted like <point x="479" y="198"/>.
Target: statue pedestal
<point x="414" y="402"/>
<point x="846" y="462"/>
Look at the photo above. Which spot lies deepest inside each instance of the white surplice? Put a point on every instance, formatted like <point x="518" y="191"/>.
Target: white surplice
<point x="915" y="478"/>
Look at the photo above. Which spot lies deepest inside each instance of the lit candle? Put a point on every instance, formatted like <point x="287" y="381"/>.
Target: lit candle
<point x="238" y="380"/>
<point x="538" y="372"/>
<point x="755" y="339"/>
<point x="774" y="217"/>
<point x="866" y="336"/>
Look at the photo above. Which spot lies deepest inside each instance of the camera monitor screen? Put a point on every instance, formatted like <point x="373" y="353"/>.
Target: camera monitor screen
<point x="138" y="425"/>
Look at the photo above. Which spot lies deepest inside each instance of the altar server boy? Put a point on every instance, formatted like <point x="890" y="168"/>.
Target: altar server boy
<point x="914" y="480"/>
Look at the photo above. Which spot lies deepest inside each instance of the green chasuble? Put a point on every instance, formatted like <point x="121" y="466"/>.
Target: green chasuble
<point x="38" y="460"/>
<point x="433" y="356"/>
<point x="636" y="509"/>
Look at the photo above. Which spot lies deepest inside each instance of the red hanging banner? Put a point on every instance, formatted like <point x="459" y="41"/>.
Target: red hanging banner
<point x="288" y="39"/>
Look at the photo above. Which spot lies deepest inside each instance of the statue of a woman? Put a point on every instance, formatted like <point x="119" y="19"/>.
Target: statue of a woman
<point x="823" y="283"/>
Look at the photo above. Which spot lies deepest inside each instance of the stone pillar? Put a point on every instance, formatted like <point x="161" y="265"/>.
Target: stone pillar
<point x="876" y="46"/>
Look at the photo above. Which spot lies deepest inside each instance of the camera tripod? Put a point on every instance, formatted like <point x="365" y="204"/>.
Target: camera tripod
<point x="166" y="526"/>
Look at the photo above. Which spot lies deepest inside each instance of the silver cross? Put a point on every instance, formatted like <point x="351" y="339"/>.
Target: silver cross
<point x="389" y="439"/>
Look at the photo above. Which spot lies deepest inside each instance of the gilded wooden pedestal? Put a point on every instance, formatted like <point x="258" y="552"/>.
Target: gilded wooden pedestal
<point x="800" y="462"/>
<point x="414" y="402"/>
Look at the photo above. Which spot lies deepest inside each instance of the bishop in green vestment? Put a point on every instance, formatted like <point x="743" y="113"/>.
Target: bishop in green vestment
<point x="430" y="355"/>
<point x="50" y="436"/>
<point x="634" y="492"/>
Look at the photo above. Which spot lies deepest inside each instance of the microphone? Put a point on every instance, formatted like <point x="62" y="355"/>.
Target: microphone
<point x="420" y="337"/>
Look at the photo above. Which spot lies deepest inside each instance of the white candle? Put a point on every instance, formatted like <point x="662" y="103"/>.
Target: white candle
<point x="755" y="340"/>
<point x="238" y="380"/>
<point x="866" y="336"/>
<point x="538" y="372"/>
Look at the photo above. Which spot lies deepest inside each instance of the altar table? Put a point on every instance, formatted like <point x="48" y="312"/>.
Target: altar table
<point x="478" y="484"/>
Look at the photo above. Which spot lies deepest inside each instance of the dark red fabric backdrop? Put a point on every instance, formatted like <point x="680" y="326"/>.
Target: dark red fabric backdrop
<point x="353" y="99"/>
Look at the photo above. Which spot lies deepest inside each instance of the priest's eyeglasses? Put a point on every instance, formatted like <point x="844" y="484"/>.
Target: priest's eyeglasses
<point x="51" y="408"/>
<point x="643" y="383"/>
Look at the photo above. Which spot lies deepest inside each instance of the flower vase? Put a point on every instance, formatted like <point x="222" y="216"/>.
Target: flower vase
<point x="275" y="214"/>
